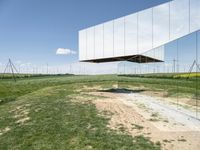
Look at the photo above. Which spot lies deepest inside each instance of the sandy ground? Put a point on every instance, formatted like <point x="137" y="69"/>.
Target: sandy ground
<point x="140" y="114"/>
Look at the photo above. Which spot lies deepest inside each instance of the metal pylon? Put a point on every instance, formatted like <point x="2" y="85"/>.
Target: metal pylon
<point x="10" y="67"/>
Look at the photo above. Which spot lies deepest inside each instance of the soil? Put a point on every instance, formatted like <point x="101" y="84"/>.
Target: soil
<point x="139" y="114"/>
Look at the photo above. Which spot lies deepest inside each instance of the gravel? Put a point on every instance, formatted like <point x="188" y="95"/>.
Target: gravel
<point x="178" y="114"/>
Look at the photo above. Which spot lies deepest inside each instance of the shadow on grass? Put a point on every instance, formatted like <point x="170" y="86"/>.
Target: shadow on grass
<point x="121" y="90"/>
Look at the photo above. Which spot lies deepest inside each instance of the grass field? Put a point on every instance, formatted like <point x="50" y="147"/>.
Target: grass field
<point x="19" y="76"/>
<point x="170" y="83"/>
<point x="40" y="113"/>
<point x="188" y="75"/>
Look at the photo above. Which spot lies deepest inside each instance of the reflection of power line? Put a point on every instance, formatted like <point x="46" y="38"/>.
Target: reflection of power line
<point x="10" y="67"/>
<point x="191" y="68"/>
<point x="174" y="65"/>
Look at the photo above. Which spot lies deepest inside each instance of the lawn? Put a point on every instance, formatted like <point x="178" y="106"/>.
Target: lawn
<point x="41" y="113"/>
<point x="174" y="84"/>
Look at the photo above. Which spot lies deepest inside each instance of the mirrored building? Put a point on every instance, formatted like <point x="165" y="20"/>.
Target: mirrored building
<point x="141" y="37"/>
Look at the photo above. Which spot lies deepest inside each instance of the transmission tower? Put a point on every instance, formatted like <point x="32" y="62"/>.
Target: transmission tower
<point x="10" y="68"/>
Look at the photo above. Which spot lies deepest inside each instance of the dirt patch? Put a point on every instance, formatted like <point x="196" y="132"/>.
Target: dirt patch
<point x="5" y="130"/>
<point x="21" y="114"/>
<point x="23" y="120"/>
<point x="92" y="88"/>
<point x="135" y="120"/>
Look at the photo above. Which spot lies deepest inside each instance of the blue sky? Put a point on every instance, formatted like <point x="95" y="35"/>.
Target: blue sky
<point x="32" y="30"/>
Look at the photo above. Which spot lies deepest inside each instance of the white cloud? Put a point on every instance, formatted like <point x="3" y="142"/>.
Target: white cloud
<point x="64" y="51"/>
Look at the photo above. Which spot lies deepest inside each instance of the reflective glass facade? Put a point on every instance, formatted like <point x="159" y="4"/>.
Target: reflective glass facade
<point x="142" y="33"/>
<point x="179" y="55"/>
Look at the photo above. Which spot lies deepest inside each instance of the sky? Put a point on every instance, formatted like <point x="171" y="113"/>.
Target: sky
<point x="31" y="31"/>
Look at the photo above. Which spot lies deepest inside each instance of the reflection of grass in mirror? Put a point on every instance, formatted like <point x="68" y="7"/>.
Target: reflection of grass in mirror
<point x="186" y="88"/>
<point x="188" y="75"/>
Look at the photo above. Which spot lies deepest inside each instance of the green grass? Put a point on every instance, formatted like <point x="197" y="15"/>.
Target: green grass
<point x="187" y="75"/>
<point x="173" y="86"/>
<point x="40" y="114"/>
<point x="166" y="75"/>
<point x="20" y="76"/>
<point x="138" y="127"/>
<point x="155" y="115"/>
<point x="9" y="90"/>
